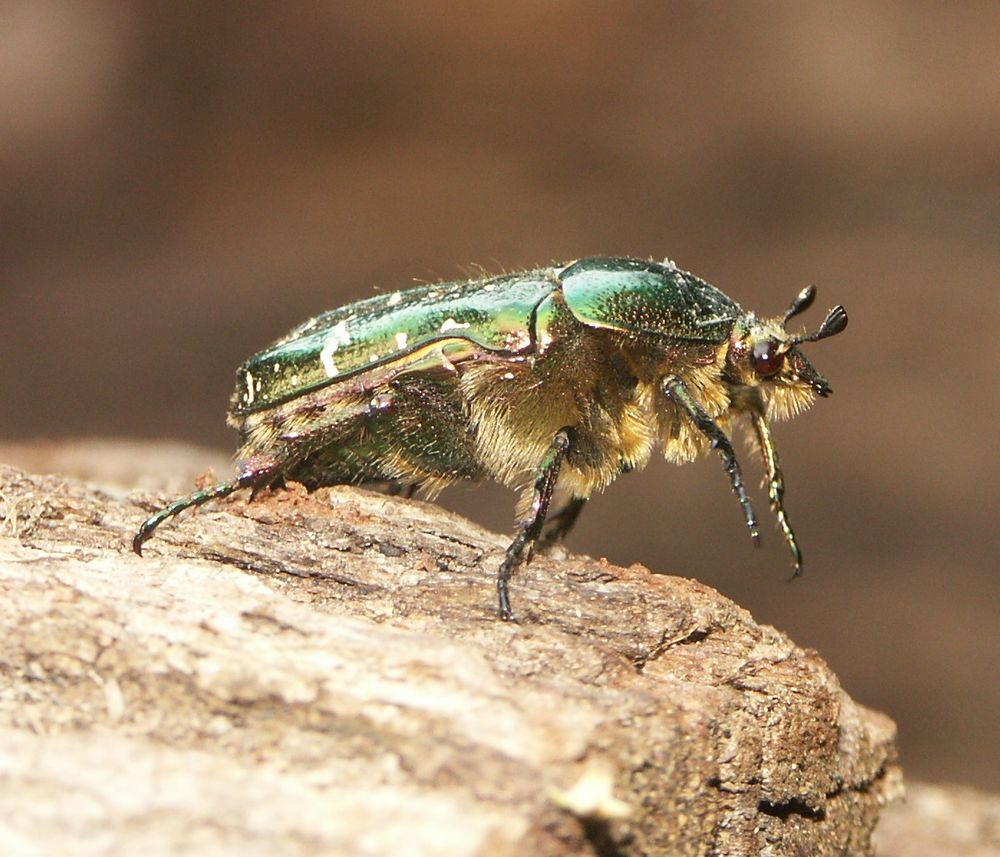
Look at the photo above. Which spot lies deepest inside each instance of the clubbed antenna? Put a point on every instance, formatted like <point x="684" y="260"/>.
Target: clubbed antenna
<point x="834" y="323"/>
<point x="803" y="300"/>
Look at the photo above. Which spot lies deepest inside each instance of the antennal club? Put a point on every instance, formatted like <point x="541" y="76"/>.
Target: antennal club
<point x="803" y="300"/>
<point x="834" y="323"/>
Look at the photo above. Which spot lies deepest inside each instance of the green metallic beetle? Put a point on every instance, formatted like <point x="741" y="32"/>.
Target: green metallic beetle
<point x="560" y="377"/>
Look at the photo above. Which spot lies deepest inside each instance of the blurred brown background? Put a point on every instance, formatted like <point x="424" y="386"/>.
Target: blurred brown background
<point x="181" y="185"/>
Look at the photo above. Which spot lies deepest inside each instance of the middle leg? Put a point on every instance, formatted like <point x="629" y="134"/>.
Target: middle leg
<point x="545" y="482"/>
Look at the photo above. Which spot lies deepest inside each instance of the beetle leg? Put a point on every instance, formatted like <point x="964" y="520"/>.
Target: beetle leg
<point x="254" y="473"/>
<point x="564" y="520"/>
<point x="675" y="389"/>
<point x="530" y="527"/>
<point x="776" y="486"/>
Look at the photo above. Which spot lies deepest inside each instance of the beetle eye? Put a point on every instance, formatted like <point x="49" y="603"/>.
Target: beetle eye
<point x="766" y="358"/>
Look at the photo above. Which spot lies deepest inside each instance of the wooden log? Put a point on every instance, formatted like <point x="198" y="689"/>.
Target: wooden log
<point x="325" y="673"/>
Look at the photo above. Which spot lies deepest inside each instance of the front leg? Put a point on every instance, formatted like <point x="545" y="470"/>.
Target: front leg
<point x="776" y="485"/>
<point x="531" y="526"/>
<point x="675" y="389"/>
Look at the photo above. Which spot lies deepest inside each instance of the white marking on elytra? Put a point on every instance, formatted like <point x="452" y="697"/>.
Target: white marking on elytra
<point x="338" y="336"/>
<point x="372" y="357"/>
<point x="707" y="322"/>
<point x="326" y="357"/>
<point x="395" y="298"/>
<point x="248" y="395"/>
<point x="516" y="340"/>
<point x="401" y="338"/>
<point x="451" y="324"/>
<point x="508" y="376"/>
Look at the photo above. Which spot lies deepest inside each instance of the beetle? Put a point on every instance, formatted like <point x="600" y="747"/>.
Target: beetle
<point x="561" y="377"/>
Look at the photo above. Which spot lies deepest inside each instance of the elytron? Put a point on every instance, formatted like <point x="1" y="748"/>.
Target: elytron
<point x="555" y="380"/>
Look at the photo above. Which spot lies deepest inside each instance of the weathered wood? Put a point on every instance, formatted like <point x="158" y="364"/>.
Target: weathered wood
<point x="326" y="674"/>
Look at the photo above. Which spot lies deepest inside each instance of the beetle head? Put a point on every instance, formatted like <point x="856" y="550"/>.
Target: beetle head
<point x="763" y="354"/>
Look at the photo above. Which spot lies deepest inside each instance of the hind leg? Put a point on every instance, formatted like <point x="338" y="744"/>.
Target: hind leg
<point x="254" y="473"/>
<point x="273" y="442"/>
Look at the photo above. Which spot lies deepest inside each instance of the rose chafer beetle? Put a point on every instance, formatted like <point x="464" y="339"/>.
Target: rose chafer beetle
<point x="561" y="377"/>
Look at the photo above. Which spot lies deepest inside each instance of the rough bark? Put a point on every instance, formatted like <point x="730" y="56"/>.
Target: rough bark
<point x="325" y="673"/>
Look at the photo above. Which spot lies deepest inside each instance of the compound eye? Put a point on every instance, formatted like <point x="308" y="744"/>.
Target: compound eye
<point x="766" y="358"/>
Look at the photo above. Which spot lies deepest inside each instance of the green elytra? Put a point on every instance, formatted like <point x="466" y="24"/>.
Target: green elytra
<point x="494" y="314"/>
<point x="568" y="375"/>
